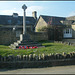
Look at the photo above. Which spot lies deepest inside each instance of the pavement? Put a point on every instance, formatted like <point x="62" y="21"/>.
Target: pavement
<point x="48" y="70"/>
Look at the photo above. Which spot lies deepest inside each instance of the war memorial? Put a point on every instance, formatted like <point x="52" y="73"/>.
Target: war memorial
<point x="25" y="41"/>
<point x="33" y="60"/>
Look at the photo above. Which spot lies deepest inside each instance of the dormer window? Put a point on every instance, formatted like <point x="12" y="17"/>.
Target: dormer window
<point x="15" y="15"/>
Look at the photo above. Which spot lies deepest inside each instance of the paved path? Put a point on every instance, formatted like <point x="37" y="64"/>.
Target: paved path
<point x="49" y="70"/>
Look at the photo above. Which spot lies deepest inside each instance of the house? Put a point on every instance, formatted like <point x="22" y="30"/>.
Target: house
<point x="11" y="26"/>
<point x="53" y="28"/>
<point x="69" y="29"/>
<point x="58" y="28"/>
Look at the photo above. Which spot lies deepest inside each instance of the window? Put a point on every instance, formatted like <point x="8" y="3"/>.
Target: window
<point x="67" y="33"/>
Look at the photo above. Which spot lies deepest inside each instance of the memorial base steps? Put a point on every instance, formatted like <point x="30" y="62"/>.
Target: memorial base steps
<point x="25" y="41"/>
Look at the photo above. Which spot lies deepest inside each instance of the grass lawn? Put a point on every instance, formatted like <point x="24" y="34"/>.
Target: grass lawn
<point x="49" y="48"/>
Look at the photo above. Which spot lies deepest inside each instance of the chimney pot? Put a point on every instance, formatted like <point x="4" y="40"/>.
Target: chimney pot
<point x="15" y="14"/>
<point x="34" y="14"/>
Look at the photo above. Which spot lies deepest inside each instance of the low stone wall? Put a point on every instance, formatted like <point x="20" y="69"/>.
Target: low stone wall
<point x="66" y="42"/>
<point x="37" y="61"/>
<point x="69" y="40"/>
<point x="7" y="36"/>
<point x="38" y="36"/>
<point x="36" y="64"/>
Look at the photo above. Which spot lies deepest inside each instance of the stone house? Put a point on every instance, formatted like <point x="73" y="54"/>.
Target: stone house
<point x="58" y="28"/>
<point x="11" y="26"/>
<point x="69" y="29"/>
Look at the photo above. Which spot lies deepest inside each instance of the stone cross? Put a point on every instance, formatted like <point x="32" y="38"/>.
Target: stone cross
<point x="24" y="7"/>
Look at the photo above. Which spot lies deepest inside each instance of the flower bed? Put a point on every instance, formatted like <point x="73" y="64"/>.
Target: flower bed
<point x="27" y="47"/>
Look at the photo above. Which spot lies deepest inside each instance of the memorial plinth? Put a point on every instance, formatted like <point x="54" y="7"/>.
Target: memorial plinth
<point x="24" y="38"/>
<point x="25" y="41"/>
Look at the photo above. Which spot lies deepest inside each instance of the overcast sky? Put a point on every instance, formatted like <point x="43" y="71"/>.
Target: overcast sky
<point x="50" y="8"/>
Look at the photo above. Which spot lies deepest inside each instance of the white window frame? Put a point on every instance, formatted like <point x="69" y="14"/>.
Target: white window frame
<point x="67" y="33"/>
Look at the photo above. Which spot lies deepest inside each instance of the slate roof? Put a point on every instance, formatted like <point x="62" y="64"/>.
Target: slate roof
<point x="53" y="20"/>
<point x="10" y="20"/>
<point x="68" y="22"/>
<point x="71" y="18"/>
<point x="73" y="23"/>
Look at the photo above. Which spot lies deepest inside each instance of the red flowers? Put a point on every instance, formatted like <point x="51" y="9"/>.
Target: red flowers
<point x="20" y="47"/>
<point x="26" y="47"/>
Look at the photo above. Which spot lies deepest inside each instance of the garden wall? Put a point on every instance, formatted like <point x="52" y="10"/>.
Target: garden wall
<point x="69" y="40"/>
<point x="7" y="36"/>
<point x="66" y="42"/>
<point x="37" y="61"/>
<point x="38" y="36"/>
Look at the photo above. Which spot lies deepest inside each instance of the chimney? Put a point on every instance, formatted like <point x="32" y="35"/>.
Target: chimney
<point x="15" y="15"/>
<point x="34" y="14"/>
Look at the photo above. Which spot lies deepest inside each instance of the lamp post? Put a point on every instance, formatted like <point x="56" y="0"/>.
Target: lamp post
<point x="24" y="7"/>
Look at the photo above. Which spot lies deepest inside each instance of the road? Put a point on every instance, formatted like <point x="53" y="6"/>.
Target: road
<point x="48" y="70"/>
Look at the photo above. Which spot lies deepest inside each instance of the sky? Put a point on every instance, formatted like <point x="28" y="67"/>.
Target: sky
<point x="50" y="8"/>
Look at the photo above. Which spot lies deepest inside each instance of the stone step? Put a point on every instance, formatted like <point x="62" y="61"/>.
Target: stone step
<point x="30" y="45"/>
<point x="22" y="44"/>
<point x="12" y="46"/>
<point x="24" y="41"/>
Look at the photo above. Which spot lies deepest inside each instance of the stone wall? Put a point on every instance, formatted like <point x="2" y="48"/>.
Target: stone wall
<point x="41" y="23"/>
<point x="69" y="40"/>
<point x="38" y="36"/>
<point x="66" y="42"/>
<point x="73" y="31"/>
<point x="33" y="60"/>
<point x="7" y="36"/>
